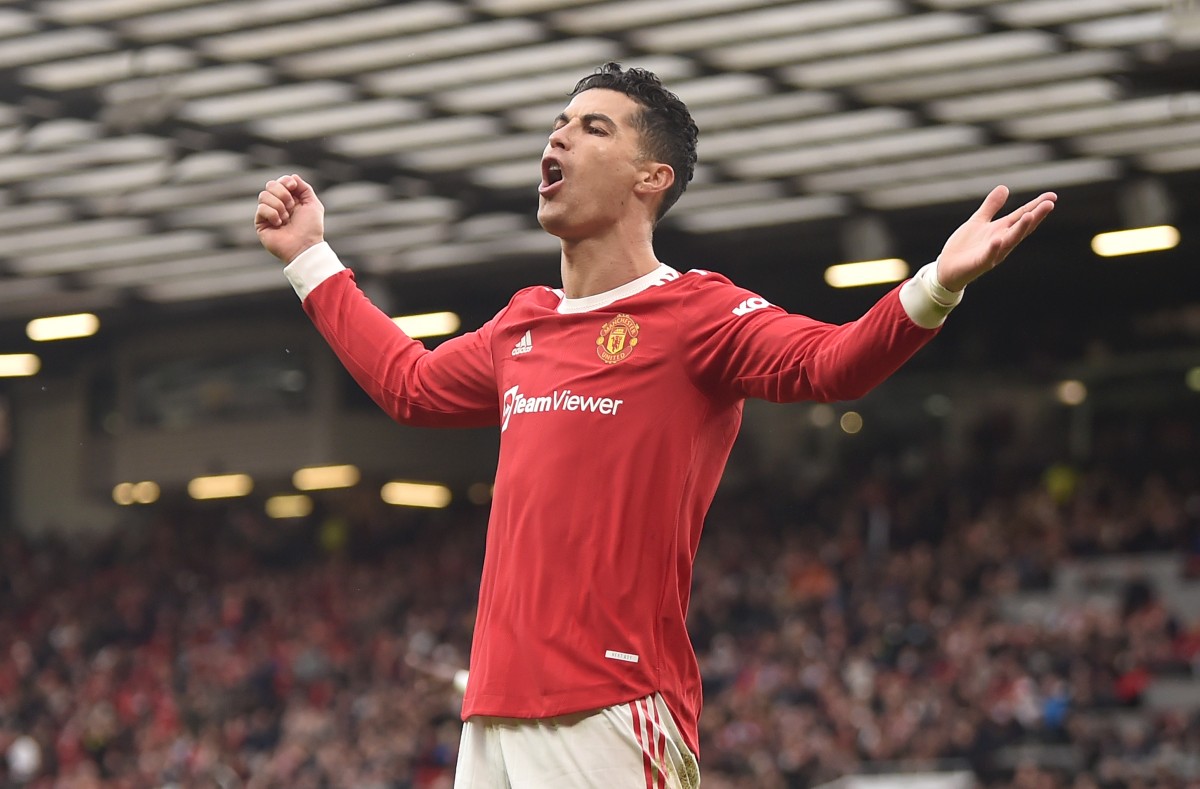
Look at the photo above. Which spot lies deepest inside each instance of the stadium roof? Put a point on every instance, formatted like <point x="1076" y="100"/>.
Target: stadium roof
<point x="135" y="134"/>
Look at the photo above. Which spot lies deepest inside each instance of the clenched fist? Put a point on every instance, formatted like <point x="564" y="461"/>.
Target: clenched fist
<point x="289" y="218"/>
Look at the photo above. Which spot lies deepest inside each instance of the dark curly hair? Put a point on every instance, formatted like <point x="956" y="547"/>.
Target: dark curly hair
<point x="668" y="132"/>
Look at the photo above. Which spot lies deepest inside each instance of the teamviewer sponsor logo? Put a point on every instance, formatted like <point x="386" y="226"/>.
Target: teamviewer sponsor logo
<point x="559" y="400"/>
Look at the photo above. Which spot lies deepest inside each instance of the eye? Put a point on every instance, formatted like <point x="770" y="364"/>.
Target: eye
<point x="599" y="132"/>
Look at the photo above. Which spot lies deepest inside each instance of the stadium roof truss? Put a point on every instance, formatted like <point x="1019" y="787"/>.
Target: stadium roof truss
<point x="136" y="134"/>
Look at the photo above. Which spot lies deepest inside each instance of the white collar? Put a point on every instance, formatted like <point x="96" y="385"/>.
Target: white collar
<point x="663" y="273"/>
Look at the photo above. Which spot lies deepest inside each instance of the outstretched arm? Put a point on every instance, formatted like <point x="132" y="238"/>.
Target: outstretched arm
<point x="767" y="353"/>
<point x="983" y="241"/>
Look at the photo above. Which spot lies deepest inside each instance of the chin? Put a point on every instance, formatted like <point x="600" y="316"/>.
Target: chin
<point x="553" y="222"/>
<point x="569" y="225"/>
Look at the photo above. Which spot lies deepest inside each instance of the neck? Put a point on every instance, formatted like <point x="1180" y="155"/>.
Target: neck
<point x="598" y="264"/>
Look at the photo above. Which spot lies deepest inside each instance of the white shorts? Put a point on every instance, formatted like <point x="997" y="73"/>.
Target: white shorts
<point x="635" y="745"/>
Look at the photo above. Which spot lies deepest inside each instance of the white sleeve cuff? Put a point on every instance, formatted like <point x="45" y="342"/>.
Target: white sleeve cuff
<point x="312" y="267"/>
<point x="926" y="300"/>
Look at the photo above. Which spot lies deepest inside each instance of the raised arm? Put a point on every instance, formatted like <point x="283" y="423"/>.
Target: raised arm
<point x="451" y="386"/>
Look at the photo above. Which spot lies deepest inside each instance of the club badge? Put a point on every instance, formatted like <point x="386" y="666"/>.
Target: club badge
<point x="617" y="339"/>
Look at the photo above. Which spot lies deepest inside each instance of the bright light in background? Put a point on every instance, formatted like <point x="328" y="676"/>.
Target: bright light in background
<point x="1193" y="379"/>
<point x="852" y="422"/>
<point x="1071" y="393"/>
<point x="868" y="272"/>
<point x="1135" y="242"/>
<point x="416" y="494"/>
<point x="62" y="327"/>
<point x="288" y="506"/>
<point x="146" y="492"/>
<point x="17" y="365"/>
<point x="123" y="494"/>
<point x="128" y="493"/>
<point x="821" y="415"/>
<point x="223" y="486"/>
<point x="430" y="324"/>
<point x="326" y="477"/>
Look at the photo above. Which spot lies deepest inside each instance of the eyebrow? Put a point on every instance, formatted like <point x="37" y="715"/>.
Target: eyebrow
<point x="591" y="117"/>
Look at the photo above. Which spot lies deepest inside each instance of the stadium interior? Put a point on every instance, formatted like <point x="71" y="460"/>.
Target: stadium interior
<point x="220" y="565"/>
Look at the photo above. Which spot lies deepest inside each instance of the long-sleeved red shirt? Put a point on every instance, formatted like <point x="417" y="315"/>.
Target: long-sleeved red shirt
<point x="616" y="414"/>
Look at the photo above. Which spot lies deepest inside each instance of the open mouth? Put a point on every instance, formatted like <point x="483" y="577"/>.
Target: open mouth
<point x="551" y="174"/>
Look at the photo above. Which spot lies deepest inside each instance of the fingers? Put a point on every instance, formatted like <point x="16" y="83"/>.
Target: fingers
<point x="1034" y="213"/>
<point x="1032" y="206"/>
<point x="273" y="208"/>
<point x="998" y="196"/>
<point x="299" y="188"/>
<point x="1017" y="225"/>
<point x="266" y="216"/>
<point x="992" y="203"/>
<point x="278" y="199"/>
<point x="1030" y="216"/>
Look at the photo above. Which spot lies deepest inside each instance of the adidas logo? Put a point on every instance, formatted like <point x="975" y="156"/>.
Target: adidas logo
<point x="750" y="305"/>
<point x="524" y="345"/>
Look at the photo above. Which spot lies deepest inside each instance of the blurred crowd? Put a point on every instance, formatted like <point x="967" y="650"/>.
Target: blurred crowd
<point x="857" y="623"/>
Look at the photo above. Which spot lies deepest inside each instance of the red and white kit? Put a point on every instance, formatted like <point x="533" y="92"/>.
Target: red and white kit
<point x="616" y="414"/>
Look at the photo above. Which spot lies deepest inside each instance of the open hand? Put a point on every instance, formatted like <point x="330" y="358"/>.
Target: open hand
<point x="289" y="218"/>
<point x="982" y="242"/>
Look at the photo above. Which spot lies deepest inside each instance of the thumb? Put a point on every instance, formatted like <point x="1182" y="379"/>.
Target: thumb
<point x="993" y="203"/>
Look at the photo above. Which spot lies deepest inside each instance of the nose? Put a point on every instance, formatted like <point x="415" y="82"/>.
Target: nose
<point x="559" y="137"/>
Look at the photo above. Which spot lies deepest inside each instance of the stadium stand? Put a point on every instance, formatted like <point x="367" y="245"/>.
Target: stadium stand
<point x="1016" y="623"/>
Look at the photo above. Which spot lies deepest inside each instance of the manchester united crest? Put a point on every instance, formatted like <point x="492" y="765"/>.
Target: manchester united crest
<point x="617" y="339"/>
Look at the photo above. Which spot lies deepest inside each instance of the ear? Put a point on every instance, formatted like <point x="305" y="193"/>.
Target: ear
<point x="656" y="178"/>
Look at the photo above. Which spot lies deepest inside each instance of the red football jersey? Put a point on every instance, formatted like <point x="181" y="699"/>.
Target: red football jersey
<point x="616" y="414"/>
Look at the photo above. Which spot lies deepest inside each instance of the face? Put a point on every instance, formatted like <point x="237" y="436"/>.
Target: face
<point x="592" y="166"/>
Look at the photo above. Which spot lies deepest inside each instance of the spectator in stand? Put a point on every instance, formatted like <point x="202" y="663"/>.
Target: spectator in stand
<point x="229" y="656"/>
